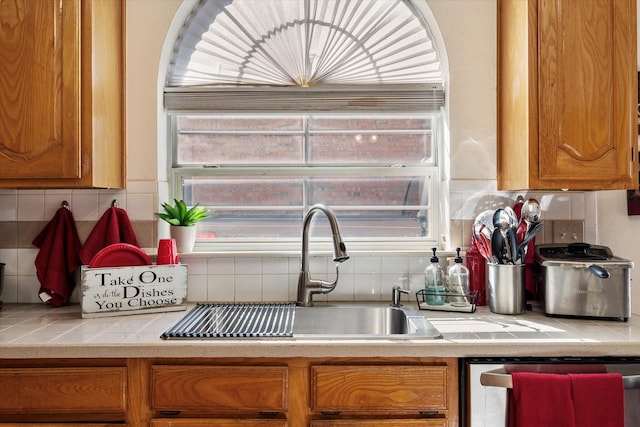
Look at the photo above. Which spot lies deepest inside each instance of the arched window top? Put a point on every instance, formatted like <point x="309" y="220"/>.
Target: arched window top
<point x="304" y="43"/>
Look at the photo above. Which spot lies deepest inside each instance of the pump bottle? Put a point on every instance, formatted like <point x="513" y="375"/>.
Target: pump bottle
<point x="434" y="281"/>
<point x="458" y="279"/>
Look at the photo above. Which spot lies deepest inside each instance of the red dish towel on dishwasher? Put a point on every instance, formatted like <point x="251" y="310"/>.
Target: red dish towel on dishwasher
<point x="598" y="400"/>
<point x="57" y="258"/>
<point x="113" y="227"/>
<point x="566" y="400"/>
<point x="540" y="400"/>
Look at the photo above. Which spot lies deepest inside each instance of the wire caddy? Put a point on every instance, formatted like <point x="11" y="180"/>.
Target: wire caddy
<point x="447" y="301"/>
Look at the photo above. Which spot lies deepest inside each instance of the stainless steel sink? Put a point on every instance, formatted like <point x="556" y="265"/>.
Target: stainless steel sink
<point x="352" y="321"/>
<point x="364" y="322"/>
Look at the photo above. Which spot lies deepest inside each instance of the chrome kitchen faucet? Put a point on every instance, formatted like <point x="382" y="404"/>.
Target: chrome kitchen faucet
<point x="307" y="286"/>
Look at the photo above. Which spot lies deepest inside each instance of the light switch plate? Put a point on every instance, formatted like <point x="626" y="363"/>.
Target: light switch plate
<point x="568" y="231"/>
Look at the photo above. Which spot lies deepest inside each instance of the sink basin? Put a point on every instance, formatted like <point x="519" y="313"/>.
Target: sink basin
<point x="368" y="322"/>
<point x="352" y="321"/>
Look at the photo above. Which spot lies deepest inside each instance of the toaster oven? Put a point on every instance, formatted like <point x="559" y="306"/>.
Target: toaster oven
<point x="583" y="280"/>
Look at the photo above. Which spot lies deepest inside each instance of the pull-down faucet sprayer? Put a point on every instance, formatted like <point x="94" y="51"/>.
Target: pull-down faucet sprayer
<point x="307" y="286"/>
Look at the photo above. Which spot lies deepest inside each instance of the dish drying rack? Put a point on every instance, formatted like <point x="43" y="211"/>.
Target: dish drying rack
<point x="447" y="301"/>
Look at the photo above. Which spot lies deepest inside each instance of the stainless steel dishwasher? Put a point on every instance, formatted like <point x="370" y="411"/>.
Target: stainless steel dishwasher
<point x="484" y="383"/>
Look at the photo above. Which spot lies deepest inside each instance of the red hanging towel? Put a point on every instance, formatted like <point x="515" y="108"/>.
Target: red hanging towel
<point x="598" y="400"/>
<point x="540" y="400"/>
<point x="57" y="259"/>
<point x="113" y="227"/>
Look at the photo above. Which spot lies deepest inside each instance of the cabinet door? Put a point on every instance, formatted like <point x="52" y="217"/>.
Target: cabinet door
<point x="63" y="390"/>
<point x="60" y="425"/>
<point x="380" y="389"/>
<point x="219" y="388"/>
<point x="213" y="422"/>
<point x="587" y="119"/>
<point x="40" y="89"/>
<point x="567" y="89"/>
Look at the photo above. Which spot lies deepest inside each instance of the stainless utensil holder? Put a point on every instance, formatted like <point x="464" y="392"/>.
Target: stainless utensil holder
<point x="506" y="288"/>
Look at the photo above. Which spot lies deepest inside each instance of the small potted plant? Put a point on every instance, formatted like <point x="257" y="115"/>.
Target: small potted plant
<point x="182" y="220"/>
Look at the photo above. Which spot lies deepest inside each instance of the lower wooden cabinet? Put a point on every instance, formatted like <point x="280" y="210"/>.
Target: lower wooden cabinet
<point x="37" y="395"/>
<point x="63" y="390"/>
<point x="422" y="394"/>
<point x="219" y="389"/>
<point x="60" y="425"/>
<point x="225" y="392"/>
<point x="399" y="389"/>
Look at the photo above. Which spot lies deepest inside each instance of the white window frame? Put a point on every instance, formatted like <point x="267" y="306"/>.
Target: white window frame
<point x="176" y="173"/>
<point x="440" y="205"/>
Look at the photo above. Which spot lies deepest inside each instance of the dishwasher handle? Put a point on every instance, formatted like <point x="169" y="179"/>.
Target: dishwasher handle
<point x="502" y="378"/>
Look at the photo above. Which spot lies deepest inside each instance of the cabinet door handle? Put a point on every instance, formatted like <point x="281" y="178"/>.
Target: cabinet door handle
<point x="330" y="412"/>
<point x="429" y="413"/>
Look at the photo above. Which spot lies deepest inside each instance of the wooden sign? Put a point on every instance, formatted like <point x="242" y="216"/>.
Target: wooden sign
<point x="116" y="291"/>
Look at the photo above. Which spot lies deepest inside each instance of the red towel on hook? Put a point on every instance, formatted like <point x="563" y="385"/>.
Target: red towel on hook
<point x="113" y="227"/>
<point x="57" y="259"/>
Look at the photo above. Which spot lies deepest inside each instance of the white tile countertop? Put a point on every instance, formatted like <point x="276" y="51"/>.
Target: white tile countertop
<point x="39" y="331"/>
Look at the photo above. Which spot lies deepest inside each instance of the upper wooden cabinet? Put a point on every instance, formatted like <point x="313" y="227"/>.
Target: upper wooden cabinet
<point x="567" y="89"/>
<point x="62" y="94"/>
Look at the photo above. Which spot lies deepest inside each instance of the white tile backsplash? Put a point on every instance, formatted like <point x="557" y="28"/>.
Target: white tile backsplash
<point x="275" y="266"/>
<point x="247" y="287"/>
<point x="31" y="205"/>
<point x="275" y="287"/>
<point x="84" y="206"/>
<point x="26" y="261"/>
<point x="268" y="278"/>
<point x="220" y="265"/>
<point x="9" y="207"/>
<point x="197" y="287"/>
<point x="140" y="206"/>
<point x="248" y="266"/>
<point x="220" y="288"/>
<point x="367" y="286"/>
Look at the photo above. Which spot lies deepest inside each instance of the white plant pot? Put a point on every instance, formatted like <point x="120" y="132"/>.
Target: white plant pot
<point x="185" y="238"/>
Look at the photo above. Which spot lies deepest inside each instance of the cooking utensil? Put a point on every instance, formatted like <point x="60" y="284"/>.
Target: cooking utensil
<point x="531" y="211"/>
<point x="485" y="218"/>
<point x="498" y="217"/>
<point x="497" y="245"/>
<point x="513" y="243"/>
<point x="501" y="221"/>
<point x="522" y="247"/>
<point x="514" y="220"/>
<point x="482" y="239"/>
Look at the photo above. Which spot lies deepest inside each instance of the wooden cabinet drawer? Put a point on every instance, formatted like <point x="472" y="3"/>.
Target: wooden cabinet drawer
<point x="219" y="388"/>
<point x="374" y="389"/>
<point x="212" y="422"/>
<point x="60" y="425"/>
<point x="63" y="390"/>
<point x="380" y="423"/>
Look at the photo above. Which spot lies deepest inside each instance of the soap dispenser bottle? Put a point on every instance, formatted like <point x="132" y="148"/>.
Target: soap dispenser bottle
<point x="434" y="281"/>
<point x="458" y="275"/>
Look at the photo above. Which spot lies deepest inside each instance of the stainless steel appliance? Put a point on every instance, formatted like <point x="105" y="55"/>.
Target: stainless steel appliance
<point x="484" y="382"/>
<point x="583" y="280"/>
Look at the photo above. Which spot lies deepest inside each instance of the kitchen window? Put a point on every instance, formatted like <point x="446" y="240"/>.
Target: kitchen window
<point x="274" y="106"/>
